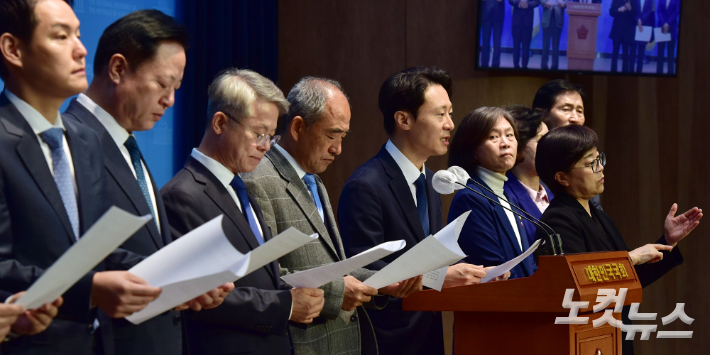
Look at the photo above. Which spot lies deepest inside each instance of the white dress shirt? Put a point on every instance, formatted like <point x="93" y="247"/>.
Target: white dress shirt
<point x="411" y="173"/>
<point x="120" y="135"/>
<point x="39" y="124"/>
<point x="225" y="176"/>
<point x="495" y="182"/>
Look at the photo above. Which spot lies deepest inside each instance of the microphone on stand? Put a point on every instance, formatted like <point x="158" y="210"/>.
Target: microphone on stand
<point x="447" y="181"/>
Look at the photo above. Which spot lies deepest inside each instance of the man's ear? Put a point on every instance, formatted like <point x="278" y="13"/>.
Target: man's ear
<point x="219" y="122"/>
<point x="298" y="126"/>
<point x="117" y="68"/>
<point x="562" y="179"/>
<point x="404" y="120"/>
<point x="10" y="46"/>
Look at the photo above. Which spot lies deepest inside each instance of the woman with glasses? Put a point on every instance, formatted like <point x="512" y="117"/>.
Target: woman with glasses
<point x="568" y="162"/>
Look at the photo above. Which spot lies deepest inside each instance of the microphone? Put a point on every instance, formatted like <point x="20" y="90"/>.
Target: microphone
<point x="447" y="181"/>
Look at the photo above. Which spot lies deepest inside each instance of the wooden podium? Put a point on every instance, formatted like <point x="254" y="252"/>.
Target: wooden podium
<point x="582" y="35"/>
<point x="518" y="316"/>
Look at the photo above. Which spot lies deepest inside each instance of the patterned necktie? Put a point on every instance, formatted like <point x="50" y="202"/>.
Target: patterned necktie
<point x="62" y="175"/>
<point x="241" y="190"/>
<point x="422" y="207"/>
<point x="310" y="181"/>
<point x="135" y="154"/>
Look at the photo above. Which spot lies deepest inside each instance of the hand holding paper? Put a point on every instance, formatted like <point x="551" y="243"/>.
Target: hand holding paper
<point x="120" y="293"/>
<point x="464" y="274"/>
<point x="307" y="304"/>
<point x="507" y="266"/>
<point x="37" y="320"/>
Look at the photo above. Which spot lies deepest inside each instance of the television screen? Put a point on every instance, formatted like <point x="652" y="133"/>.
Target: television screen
<point x="594" y="36"/>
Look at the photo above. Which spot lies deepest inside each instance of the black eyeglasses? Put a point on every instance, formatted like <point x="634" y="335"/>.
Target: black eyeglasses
<point x="595" y="164"/>
<point x="261" y="139"/>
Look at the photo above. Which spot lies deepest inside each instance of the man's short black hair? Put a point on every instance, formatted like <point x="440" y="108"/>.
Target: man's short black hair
<point x="137" y="36"/>
<point x="547" y="95"/>
<point x="17" y="17"/>
<point x="404" y="91"/>
<point x="560" y="149"/>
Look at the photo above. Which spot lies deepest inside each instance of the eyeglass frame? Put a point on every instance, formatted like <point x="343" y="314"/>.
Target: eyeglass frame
<point x="600" y="160"/>
<point x="260" y="141"/>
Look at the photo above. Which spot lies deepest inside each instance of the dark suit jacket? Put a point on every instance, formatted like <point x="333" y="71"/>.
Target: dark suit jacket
<point x="162" y="334"/>
<point x="492" y="10"/>
<point x="487" y="236"/>
<point x="515" y="189"/>
<point x="254" y="317"/>
<point x="646" y="15"/>
<point x="580" y="234"/>
<point x="35" y="229"/>
<point x="524" y="17"/>
<point x="623" y="29"/>
<point x="377" y="206"/>
<point x="669" y="15"/>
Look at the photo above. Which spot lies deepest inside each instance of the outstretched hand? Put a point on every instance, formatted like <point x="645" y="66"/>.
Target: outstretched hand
<point x="677" y="227"/>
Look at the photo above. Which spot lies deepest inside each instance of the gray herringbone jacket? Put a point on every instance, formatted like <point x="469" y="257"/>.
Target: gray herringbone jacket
<point x="285" y="202"/>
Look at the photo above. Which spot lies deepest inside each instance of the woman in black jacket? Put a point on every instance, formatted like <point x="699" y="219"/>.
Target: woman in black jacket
<point x="568" y="162"/>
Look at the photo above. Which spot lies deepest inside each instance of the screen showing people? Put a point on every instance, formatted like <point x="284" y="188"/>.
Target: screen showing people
<point x="610" y="36"/>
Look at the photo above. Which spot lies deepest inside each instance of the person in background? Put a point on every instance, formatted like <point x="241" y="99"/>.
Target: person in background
<point x="562" y="104"/>
<point x="553" y="20"/>
<point x="523" y="14"/>
<point x="486" y="145"/>
<point x="493" y="14"/>
<point x="623" y="32"/>
<point x="523" y="182"/>
<point x="569" y="163"/>
<point x="646" y="17"/>
<point x="667" y="12"/>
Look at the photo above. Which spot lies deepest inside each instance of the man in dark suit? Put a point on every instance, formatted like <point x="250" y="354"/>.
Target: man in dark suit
<point x="390" y="197"/>
<point x="243" y="109"/>
<point x="623" y="31"/>
<point x="124" y="97"/>
<point x="553" y="20"/>
<point x="646" y="17"/>
<point x="52" y="186"/>
<point x="668" y="12"/>
<point x="523" y="18"/>
<point x="492" y="15"/>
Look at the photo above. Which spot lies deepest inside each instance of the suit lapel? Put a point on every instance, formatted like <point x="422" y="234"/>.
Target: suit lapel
<point x="299" y="193"/>
<point x="117" y="167"/>
<point x="399" y="187"/>
<point x="30" y="152"/>
<point x="502" y="217"/>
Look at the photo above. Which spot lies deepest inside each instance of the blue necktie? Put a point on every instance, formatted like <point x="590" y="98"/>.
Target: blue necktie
<point x="310" y="181"/>
<point x="135" y="154"/>
<point x="62" y="175"/>
<point x="241" y="190"/>
<point x="422" y="207"/>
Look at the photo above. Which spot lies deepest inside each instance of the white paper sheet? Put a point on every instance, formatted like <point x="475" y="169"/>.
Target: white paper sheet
<point x="435" y="279"/>
<point x="659" y="36"/>
<point x="320" y="276"/>
<point x="645" y="35"/>
<point x="508" y="265"/>
<point x="202" y="260"/>
<point x="432" y="253"/>
<point x="110" y="231"/>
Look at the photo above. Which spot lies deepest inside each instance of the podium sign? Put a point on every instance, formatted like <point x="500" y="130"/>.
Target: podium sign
<point x="518" y="316"/>
<point x="582" y="35"/>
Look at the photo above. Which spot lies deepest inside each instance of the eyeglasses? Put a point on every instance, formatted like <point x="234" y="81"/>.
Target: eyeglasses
<point x="596" y="164"/>
<point x="261" y="139"/>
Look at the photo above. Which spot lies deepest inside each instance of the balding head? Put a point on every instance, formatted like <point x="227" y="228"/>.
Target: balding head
<point x="308" y="99"/>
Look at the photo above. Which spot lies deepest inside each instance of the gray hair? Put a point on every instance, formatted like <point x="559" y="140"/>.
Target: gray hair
<point x="234" y="91"/>
<point x="308" y="99"/>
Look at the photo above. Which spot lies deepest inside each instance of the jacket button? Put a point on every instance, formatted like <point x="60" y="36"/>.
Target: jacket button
<point x="176" y="320"/>
<point x="90" y="328"/>
<point x="353" y="318"/>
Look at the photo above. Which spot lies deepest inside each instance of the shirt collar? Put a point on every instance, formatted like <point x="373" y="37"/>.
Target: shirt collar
<point x="411" y="173"/>
<point x="115" y="130"/>
<point x="299" y="171"/>
<point x="540" y="194"/>
<point x="494" y="180"/>
<point x="224" y="175"/>
<point x="35" y="119"/>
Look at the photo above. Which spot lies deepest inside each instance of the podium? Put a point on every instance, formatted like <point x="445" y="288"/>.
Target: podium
<point x="582" y="35"/>
<point x="518" y="316"/>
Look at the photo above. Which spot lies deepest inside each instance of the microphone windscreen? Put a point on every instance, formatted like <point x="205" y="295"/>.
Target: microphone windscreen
<point x="460" y="173"/>
<point x="444" y="182"/>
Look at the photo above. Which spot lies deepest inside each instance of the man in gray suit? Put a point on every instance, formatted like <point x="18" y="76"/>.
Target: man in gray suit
<point x="553" y="19"/>
<point x="291" y="195"/>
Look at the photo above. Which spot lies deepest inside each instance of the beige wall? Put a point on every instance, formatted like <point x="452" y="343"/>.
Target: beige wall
<point x="653" y="130"/>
